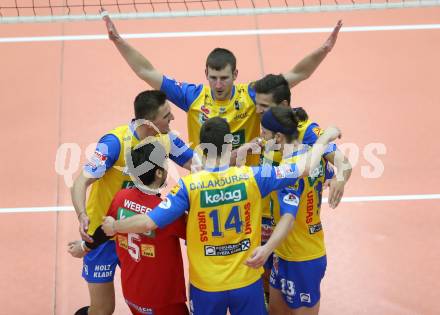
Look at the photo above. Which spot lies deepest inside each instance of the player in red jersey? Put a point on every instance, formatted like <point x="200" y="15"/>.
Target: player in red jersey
<point x="151" y="263"/>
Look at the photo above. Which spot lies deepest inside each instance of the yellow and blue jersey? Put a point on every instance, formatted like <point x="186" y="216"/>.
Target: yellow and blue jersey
<point x="308" y="133"/>
<point x="108" y="164"/>
<point x="303" y="199"/>
<point x="197" y="100"/>
<point x="224" y="221"/>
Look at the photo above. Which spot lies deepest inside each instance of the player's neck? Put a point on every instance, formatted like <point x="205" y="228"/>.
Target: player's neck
<point x="145" y="132"/>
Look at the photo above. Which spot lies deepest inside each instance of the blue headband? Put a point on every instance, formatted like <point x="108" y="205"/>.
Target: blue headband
<point x="269" y="122"/>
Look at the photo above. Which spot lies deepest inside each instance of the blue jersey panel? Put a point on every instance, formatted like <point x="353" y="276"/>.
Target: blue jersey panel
<point x="271" y="178"/>
<point x="105" y="156"/>
<point x="180" y="93"/>
<point x="180" y="153"/>
<point x="174" y="206"/>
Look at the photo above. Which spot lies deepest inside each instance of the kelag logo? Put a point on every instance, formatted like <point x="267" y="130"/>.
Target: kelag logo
<point x="215" y="197"/>
<point x="238" y="138"/>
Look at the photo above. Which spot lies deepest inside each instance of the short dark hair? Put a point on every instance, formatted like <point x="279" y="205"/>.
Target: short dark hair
<point x="300" y="113"/>
<point x="147" y="103"/>
<point x="214" y="131"/>
<point x="276" y="85"/>
<point x="219" y="58"/>
<point x="152" y="152"/>
<point x="287" y="119"/>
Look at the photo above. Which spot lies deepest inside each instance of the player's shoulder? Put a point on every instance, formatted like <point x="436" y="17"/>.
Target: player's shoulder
<point x="119" y="130"/>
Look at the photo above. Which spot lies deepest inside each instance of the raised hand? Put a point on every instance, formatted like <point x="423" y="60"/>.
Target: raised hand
<point x="331" y="40"/>
<point x="111" y="28"/>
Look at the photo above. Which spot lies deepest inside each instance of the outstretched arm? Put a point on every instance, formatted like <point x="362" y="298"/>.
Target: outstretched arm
<point x="308" y="162"/>
<point x="138" y="63"/>
<point x="304" y="69"/>
<point x="139" y="223"/>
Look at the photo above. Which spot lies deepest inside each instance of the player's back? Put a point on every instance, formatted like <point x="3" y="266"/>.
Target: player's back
<point x="151" y="263"/>
<point x="224" y="227"/>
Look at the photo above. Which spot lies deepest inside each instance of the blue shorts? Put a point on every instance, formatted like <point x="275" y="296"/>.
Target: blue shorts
<point x="298" y="281"/>
<point x="244" y="301"/>
<point x="100" y="264"/>
<point x="269" y="263"/>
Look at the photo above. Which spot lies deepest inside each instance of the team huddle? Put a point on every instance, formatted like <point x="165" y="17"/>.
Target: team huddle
<point x="249" y="210"/>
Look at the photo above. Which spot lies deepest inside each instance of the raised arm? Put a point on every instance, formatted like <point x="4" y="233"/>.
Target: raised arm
<point x="138" y="63"/>
<point x="304" y="69"/>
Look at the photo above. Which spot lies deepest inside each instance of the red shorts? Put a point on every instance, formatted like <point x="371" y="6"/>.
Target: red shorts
<point x="174" y="309"/>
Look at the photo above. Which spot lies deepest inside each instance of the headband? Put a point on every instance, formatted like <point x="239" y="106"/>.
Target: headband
<point x="269" y="122"/>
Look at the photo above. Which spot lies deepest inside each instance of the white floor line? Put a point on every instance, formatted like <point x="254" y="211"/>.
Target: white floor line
<point x="344" y="200"/>
<point x="224" y="33"/>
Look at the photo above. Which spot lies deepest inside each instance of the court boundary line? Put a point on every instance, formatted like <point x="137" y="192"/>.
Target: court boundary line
<point x="324" y="200"/>
<point x="245" y="32"/>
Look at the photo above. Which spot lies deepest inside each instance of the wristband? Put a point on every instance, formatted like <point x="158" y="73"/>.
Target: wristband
<point x="84" y="247"/>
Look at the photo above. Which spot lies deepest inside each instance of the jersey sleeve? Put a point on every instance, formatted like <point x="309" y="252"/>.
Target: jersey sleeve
<point x="270" y="178"/>
<point x="172" y="207"/>
<point x="312" y="134"/>
<point x="329" y="171"/>
<point x="331" y="147"/>
<point x="288" y="199"/>
<point x="251" y="91"/>
<point x="180" y="153"/>
<point x="105" y="156"/>
<point x="180" y="93"/>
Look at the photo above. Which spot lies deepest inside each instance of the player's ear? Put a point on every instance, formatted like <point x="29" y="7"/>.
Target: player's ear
<point x="159" y="173"/>
<point x="285" y="103"/>
<point x="279" y="138"/>
<point x="235" y="74"/>
<point x="206" y="73"/>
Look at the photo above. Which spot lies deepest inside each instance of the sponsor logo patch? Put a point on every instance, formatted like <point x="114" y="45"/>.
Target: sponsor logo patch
<point x="122" y="241"/>
<point x="241" y="116"/>
<point x="97" y="160"/>
<point x="216" y="197"/>
<point x="165" y="204"/>
<point x="315" y="228"/>
<point x="284" y="171"/>
<point x="174" y="190"/>
<point x="205" y="110"/>
<point x="305" y="297"/>
<point x="127" y="184"/>
<point x="228" y="249"/>
<point x="147" y="250"/>
<point x="291" y="199"/>
<point x="317" y="131"/>
<point x="202" y="118"/>
<point x="238" y="138"/>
